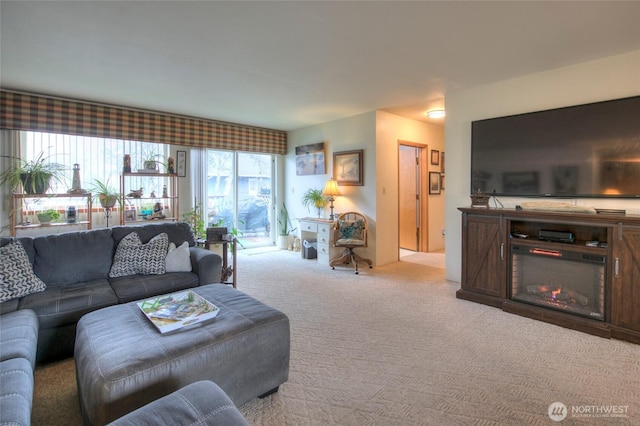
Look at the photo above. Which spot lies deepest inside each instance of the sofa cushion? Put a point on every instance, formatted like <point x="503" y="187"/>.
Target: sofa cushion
<point x="19" y="335"/>
<point x="16" y="273"/>
<point x="16" y="391"/>
<point x="73" y="257"/>
<point x="201" y="403"/>
<point x="136" y="287"/>
<point x="178" y="258"/>
<point x="132" y="257"/>
<point x="61" y="305"/>
<point x="178" y="232"/>
<point x="27" y="243"/>
<point x="9" y="306"/>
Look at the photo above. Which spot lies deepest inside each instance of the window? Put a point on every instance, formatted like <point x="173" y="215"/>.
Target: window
<point x="98" y="158"/>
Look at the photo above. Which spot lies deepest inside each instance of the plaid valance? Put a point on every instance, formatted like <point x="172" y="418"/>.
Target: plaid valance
<point x="21" y="111"/>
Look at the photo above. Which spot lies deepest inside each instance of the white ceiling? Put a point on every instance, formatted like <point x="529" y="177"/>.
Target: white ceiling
<point x="287" y="65"/>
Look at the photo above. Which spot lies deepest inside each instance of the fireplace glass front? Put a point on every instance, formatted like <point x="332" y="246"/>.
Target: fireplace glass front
<point x="563" y="280"/>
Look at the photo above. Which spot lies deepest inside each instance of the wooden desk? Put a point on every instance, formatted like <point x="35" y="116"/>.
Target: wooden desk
<point x="322" y="231"/>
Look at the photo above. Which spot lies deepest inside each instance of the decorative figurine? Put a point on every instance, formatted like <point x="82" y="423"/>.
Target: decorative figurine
<point x="164" y="192"/>
<point x="75" y="182"/>
<point x="171" y="168"/>
<point x="135" y="193"/>
<point x="157" y="211"/>
<point x="126" y="167"/>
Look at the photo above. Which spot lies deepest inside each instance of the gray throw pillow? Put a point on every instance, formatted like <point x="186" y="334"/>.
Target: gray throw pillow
<point x="16" y="273"/>
<point x="132" y="257"/>
<point x="178" y="258"/>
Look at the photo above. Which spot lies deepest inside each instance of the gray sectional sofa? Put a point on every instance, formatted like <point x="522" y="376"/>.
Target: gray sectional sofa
<point x="76" y="269"/>
<point x="18" y="340"/>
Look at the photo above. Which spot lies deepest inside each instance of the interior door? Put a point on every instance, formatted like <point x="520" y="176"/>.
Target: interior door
<point x="409" y="195"/>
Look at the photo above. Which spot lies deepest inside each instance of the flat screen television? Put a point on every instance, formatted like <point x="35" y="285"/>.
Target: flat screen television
<point x="590" y="150"/>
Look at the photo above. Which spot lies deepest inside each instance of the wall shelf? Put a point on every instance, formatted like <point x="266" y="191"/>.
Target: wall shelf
<point x="20" y="208"/>
<point x="132" y="209"/>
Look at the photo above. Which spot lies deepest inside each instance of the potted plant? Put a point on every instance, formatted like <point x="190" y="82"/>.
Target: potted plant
<point x="314" y="198"/>
<point x="35" y="175"/>
<point x="151" y="160"/>
<point x="47" y="216"/>
<point x="285" y="239"/>
<point x="194" y="218"/>
<point x="104" y="193"/>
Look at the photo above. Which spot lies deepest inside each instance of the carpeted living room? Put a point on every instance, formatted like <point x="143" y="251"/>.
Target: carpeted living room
<point x="393" y="345"/>
<point x="235" y="155"/>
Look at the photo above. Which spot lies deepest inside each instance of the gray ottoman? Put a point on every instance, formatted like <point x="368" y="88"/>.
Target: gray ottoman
<point x="201" y="403"/>
<point x="123" y="362"/>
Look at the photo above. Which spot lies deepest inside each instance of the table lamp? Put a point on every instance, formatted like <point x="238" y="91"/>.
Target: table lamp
<point x="331" y="190"/>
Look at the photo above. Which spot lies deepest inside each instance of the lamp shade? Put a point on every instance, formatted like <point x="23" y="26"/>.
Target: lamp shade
<point x="331" y="189"/>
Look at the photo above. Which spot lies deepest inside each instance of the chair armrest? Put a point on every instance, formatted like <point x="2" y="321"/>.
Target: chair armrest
<point x="206" y="264"/>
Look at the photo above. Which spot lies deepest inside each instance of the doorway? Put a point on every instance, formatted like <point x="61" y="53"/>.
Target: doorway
<point x="412" y="200"/>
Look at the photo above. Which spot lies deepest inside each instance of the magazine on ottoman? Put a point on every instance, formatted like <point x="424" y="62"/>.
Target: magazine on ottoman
<point x="173" y="311"/>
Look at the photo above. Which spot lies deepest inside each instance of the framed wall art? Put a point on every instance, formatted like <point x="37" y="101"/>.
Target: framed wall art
<point x="434" y="182"/>
<point x="181" y="163"/>
<point x="310" y="159"/>
<point x="435" y="157"/>
<point x="129" y="215"/>
<point x="347" y="167"/>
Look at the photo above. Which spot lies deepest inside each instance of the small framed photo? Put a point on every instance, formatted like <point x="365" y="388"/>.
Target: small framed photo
<point x="434" y="182"/>
<point x="129" y="215"/>
<point x="347" y="167"/>
<point x="181" y="163"/>
<point x="435" y="157"/>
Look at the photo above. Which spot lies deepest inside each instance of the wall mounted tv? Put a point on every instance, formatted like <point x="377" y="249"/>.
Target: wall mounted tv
<point x="590" y="150"/>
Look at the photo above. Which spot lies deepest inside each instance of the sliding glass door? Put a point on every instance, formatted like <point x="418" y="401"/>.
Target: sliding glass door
<point x="239" y="188"/>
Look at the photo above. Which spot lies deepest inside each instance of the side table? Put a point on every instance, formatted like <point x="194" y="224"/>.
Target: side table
<point x="227" y="271"/>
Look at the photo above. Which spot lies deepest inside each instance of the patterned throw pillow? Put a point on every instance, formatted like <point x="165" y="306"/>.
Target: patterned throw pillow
<point x="351" y="230"/>
<point x="178" y="259"/>
<point x="132" y="257"/>
<point x="16" y="273"/>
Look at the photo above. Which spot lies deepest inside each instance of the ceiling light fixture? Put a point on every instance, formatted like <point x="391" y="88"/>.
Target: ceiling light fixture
<point x="436" y="113"/>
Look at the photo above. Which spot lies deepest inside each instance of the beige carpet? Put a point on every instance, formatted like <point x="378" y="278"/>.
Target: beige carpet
<point x="393" y="346"/>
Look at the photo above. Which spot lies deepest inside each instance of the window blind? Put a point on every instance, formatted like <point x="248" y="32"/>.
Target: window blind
<point x="23" y="111"/>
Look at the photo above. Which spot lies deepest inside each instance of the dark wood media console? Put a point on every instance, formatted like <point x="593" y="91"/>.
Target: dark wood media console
<point x="489" y="269"/>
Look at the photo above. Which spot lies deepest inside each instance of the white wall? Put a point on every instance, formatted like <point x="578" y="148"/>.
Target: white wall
<point x="357" y="132"/>
<point x="377" y="133"/>
<point x="604" y="79"/>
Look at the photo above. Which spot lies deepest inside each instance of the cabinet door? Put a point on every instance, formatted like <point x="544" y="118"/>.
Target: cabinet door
<point x="625" y="306"/>
<point x="484" y="255"/>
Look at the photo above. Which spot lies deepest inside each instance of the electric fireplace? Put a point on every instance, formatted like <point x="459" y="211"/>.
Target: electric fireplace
<point x="567" y="280"/>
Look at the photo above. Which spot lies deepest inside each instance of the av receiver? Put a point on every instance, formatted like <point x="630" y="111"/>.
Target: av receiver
<point x="556" y="236"/>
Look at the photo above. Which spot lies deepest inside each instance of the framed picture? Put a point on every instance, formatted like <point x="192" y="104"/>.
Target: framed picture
<point x="129" y="215"/>
<point x="442" y="165"/>
<point x="181" y="164"/>
<point x="347" y="167"/>
<point x="310" y="159"/>
<point x="442" y="182"/>
<point x="435" y="157"/>
<point x="434" y="182"/>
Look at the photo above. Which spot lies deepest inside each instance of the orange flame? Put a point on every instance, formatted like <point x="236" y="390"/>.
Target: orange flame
<point x="554" y="293"/>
